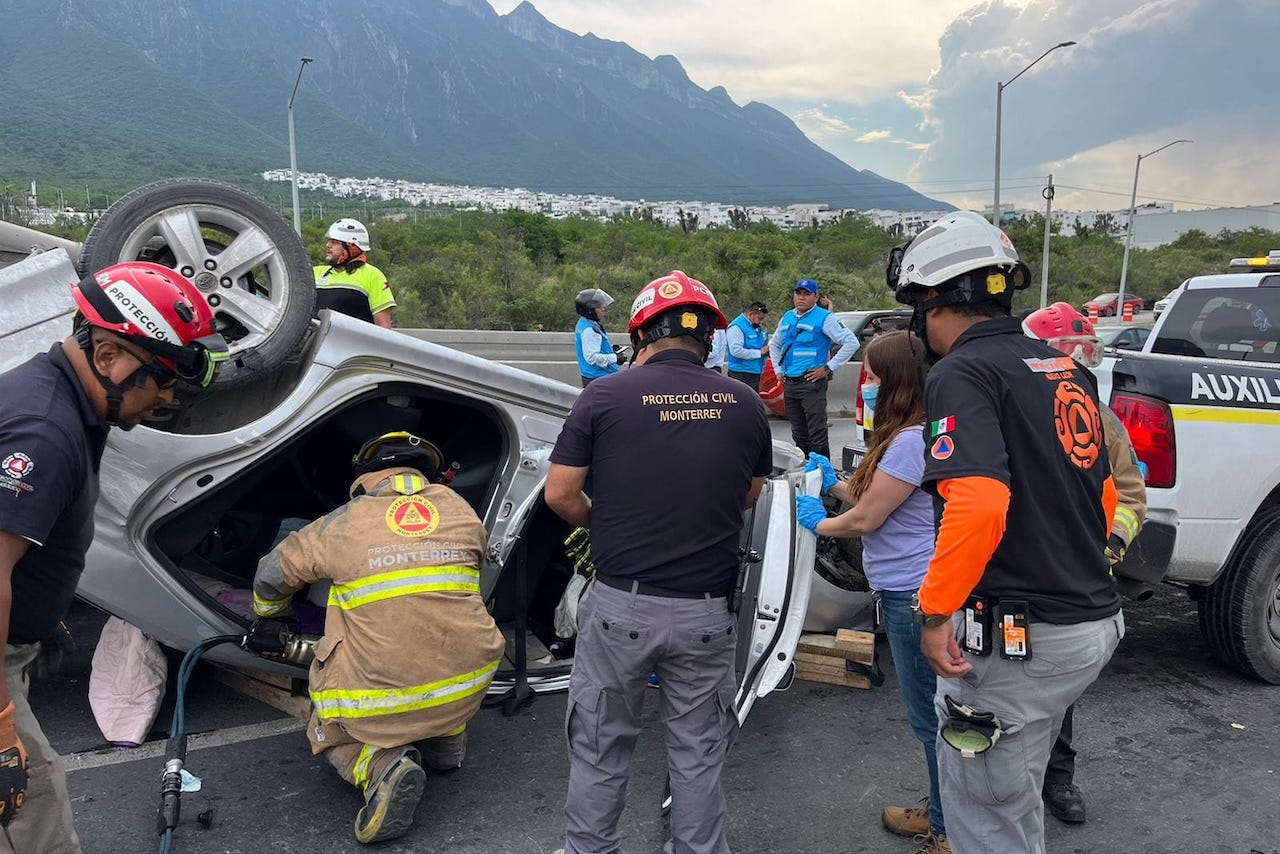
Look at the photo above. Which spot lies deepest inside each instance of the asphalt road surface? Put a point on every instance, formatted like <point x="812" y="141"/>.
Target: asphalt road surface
<point x="1176" y="755"/>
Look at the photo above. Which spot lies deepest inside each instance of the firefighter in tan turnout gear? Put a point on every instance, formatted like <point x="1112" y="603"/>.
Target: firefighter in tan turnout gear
<point x="408" y="647"/>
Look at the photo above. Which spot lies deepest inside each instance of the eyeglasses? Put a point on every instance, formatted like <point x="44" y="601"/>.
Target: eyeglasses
<point x="152" y="367"/>
<point x="164" y="378"/>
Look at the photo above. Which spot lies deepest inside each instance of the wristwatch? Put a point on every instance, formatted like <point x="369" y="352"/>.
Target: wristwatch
<point x="929" y="621"/>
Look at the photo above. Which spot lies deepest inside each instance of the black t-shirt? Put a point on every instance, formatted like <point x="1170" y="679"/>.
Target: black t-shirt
<point x="672" y="448"/>
<point x="1008" y="407"/>
<point x="51" y="443"/>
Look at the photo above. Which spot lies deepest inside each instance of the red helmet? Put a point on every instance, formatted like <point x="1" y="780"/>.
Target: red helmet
<point x="1065" y="329"/>
<point x="157" y="309"/>
<point x="673" y="290"/>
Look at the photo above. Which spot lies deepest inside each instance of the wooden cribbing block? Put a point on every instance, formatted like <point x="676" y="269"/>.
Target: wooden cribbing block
<point x="285" y="693"/>
<point x="831" y="676"/>
<point x="847" y="644"/>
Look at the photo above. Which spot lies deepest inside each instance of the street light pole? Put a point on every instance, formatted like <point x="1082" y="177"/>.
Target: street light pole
<point x="1128" y="232"/>
<point x="293" y="149"/>
<point x="1000" y="87"/>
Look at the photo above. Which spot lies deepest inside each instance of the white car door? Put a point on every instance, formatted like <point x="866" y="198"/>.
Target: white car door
<point x="774" y="590"/>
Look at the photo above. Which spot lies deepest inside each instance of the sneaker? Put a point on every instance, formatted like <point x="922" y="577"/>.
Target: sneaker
<point x="931" y="843"/>
<point x="389" y="805"/>
<point x="907" y="821"/>
<point x="1065" y="802"/>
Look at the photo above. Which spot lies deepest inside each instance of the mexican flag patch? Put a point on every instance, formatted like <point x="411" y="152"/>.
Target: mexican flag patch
<point x="942" y="425"/>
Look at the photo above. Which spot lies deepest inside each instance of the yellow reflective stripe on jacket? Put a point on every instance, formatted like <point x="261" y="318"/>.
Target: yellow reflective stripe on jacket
<point x="360" y="773"/>
<point x="376" y="702"/>
<point x="270" y="607"/>
<point x="407" y="484"/>
<point x="1125" y="523"/>
<point x="405" y="582"/>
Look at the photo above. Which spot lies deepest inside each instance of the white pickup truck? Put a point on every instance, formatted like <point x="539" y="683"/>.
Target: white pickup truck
<point x="1201" y="402"/>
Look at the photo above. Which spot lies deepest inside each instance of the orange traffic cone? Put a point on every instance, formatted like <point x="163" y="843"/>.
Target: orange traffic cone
<point x="1093" y="313"/>
<point x="1127" y="314"/>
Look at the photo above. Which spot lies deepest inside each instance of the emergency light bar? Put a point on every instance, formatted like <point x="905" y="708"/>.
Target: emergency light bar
<point x="1269" y="263"/>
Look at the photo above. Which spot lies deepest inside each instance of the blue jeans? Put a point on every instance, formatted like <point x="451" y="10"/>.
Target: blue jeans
<point x="919" y="684"/>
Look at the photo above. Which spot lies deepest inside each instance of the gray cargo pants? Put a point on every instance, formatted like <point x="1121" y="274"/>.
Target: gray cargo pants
<point x="992" y="800"/>
<point x="807" y="411"/>
<point x="45" y="824"/>
<point x="622" y="638"/>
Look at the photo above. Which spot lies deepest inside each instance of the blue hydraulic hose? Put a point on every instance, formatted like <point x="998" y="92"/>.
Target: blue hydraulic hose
<point x="176" y="750"/>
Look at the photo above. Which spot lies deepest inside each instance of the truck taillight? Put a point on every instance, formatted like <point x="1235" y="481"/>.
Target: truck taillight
<point x="1150" y="425"/>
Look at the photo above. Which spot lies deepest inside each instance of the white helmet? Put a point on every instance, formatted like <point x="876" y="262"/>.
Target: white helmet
<point x="941" y="255"/>
<point x="350" y="231"/>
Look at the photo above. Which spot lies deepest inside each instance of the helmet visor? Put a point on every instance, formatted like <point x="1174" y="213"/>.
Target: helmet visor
<point x="1085" y="349"/>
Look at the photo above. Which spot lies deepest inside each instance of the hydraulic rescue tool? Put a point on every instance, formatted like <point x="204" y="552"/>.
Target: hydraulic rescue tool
<point x="273" y="639"/>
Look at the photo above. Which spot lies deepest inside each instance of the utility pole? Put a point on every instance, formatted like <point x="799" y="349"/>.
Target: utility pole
<point x="1047" y="192"/>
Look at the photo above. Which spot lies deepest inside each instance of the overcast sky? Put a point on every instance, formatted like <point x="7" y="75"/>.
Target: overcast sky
<point x="908" y="88"/>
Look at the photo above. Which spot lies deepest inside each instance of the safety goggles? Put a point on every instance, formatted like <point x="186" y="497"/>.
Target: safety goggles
<point x="1087" y="350"/>
<point x="194" y="362"/>
<point x="969" y="731"/>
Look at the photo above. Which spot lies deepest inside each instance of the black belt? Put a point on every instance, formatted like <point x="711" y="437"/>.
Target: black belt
<point x="793" y="379"/>
<point x="628" y="584"/>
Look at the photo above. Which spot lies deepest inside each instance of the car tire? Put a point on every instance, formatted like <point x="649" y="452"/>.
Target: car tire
<point x="1240" y="612"/>
<point x="262" y="305"/>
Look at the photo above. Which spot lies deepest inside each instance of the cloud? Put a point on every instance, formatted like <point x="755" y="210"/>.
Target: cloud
<point x="819" y="125"/>
<point x="767" y="51"/>
<point x="1144" y="72"/>
<point x="875" y="136"/>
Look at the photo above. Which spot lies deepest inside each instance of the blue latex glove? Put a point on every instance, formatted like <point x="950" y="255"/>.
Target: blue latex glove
<point x="817" y="462"/>
<point x="809" y="511"/>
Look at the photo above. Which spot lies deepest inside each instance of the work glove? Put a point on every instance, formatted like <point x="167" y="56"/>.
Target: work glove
<point x="817" y="462"/>
<point x="268" y="636"/>
<point x="620" y="351"/>
<point x="578" y="550"/>
<point x="13" y="768"/>
<point x="1115" y="549"/>
<point x="810" y="511"/>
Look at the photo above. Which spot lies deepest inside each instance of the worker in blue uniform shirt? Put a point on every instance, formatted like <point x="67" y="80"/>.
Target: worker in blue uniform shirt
<point x="748" y="343"/>
<point x="675" y="453"/>
<point x="801" y="352"/>
<point x="596" y="356"/>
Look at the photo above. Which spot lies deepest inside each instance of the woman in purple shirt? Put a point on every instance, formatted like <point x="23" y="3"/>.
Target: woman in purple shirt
<point x="894" y="517"/>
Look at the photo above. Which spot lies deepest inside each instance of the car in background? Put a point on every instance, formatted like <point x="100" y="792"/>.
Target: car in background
<point x="1124" y="337"/>
<point x="865" y="325"/>
<point x="1161" y="305"/>
<point x="1108" y="305"/>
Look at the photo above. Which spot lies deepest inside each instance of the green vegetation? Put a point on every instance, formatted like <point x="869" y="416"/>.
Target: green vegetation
<point x="513" y="270"/>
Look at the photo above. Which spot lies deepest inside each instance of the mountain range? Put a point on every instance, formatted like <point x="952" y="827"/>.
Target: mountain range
<point x="117" y="92"/>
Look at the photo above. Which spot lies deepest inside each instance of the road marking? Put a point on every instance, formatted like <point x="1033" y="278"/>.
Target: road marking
<point x="199" y="741"/>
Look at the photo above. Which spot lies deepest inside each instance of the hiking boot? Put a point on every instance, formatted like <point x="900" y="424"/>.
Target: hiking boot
<point x="388" y="809"/>
<point x="907" y="821"/>
<point x="1065" y="802"/>
<point x="932" y="843"/>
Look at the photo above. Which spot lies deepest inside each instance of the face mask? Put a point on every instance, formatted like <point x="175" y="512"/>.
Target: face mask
<point x="870" y="392"/>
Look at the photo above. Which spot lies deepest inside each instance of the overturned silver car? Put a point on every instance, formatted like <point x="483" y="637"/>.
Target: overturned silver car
<point x="188" y="506"/>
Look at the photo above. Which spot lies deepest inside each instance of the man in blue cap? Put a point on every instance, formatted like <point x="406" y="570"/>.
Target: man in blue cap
<point x="801" y="352"/>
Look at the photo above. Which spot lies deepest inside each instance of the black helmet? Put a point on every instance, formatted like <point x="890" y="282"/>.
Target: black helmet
<point x="587" y="301"/>
<point x="397" y="449"/>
